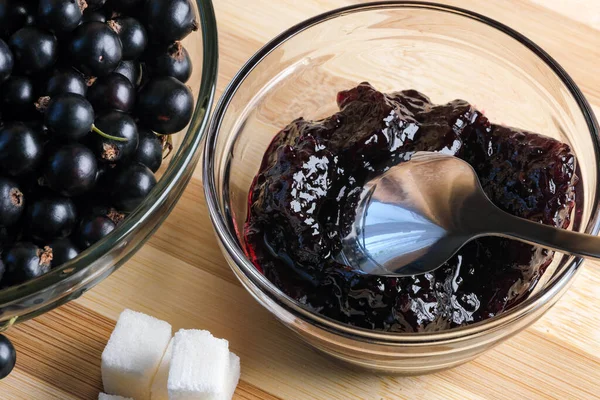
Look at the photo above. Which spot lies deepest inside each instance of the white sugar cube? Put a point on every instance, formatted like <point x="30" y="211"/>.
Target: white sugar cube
<point x="159" y="385"/>
<point x="103" y="396"/>
<point x="233" y="377"/>
<point x="199" y="366"/>
<point x="133" y="353"/>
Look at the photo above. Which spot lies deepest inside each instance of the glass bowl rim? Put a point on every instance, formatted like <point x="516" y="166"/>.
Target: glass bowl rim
<point x="236" y="253"/>
<point x="174" y="173"/>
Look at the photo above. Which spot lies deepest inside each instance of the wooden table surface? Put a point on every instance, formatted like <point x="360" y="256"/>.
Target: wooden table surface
<point x="180" y="275"/>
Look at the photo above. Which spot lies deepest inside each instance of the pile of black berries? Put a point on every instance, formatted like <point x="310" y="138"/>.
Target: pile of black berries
<point x="89" y="92"/>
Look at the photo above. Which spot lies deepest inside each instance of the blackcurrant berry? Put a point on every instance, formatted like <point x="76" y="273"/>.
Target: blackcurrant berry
<point x="95" y="4"/>
<point x="104" y="179"/>
<point x="25" y="261"/>
<point x="132" y="184"/>
<point x="132" y="34"/>
<point x="38" y="126"/>
<point x="91" y="206"/>
<point x="66" y="80"/>
<point x="165" y="105"/>
<point x="17" y="96"/>
<point x="71" y="170"/>
<point x="8" y="236"/>
<point x="175" y="61"/>
<point x="5" y="19"/>
<point x="149" y="151"/>
<point x="132" y="70"/>
<point x="169" y="20"/>
<point x="110" y="212"/>
<point x="21" y="149"/>
<point x="15" y="14"/>
<point x="12" y="203"/>
<point x="50" y="217"/>
<point x="69" y="117"/>
<point x="34" y="49"/>
<point x="6" y="61"/>
<point x="63" y="250"/>
<point x="24" y="13"/>
<point x="93" y="15"/>
<point x="96" y="49"/>
<point x="60" y="15"/>
<point x="112" y="92"/>
<point x="126" y="5"/>
<point x="8" y="357"/>
<point x="92" y="229"/>
<point x="111" y="125"/>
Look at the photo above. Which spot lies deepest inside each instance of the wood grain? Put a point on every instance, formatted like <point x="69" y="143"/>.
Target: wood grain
<point x="181" y="276"/>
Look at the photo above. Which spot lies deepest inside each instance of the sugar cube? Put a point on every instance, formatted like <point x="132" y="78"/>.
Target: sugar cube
<point x="103" y="396"/>
<point x="199" y="366"/>
<point x="159" y="385"/>
<point x="233" y="377"/>
<point x="133" y="353"/>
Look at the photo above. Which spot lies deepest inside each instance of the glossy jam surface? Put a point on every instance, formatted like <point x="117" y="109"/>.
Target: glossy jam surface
<point x="303" y="199"/>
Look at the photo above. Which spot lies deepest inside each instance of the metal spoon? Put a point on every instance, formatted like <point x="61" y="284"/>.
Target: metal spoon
<point x="418" y="214"/>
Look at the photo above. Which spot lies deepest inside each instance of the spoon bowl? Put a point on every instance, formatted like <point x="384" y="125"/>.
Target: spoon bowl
<point x="418" y="214"/>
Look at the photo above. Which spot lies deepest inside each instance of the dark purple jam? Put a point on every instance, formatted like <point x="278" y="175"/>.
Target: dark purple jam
<point x="303" y="200"/>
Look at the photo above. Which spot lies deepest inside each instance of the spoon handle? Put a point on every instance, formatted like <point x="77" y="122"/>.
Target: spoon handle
<point x="564" y="241"/>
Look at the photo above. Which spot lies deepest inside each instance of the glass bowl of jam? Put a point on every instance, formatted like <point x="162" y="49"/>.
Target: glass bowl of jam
<point x="344" y="96"/>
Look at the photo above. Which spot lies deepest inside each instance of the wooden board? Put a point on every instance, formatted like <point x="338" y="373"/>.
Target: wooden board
<point x="180" y="275"/>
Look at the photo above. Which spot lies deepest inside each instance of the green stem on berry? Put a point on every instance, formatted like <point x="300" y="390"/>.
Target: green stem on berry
<point x="8" y="324"/>
<point x="139" y="81"/>
<point x="107" y="136"/>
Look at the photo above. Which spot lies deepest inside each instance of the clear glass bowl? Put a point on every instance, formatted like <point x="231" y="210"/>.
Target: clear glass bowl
<point x="72" y="279"/>
<point x="442" y="51"/>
